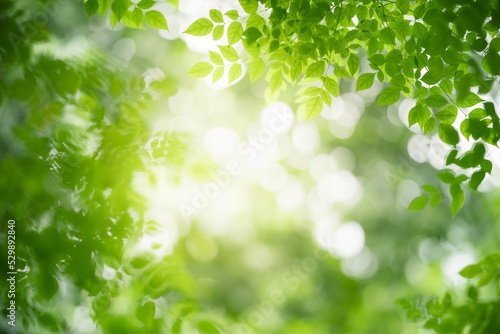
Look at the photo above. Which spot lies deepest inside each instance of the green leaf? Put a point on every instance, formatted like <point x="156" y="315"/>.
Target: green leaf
<point x="104" y="6"/>
<point x="403" y="6"/>
<point x="448" y="134"/>
<point x="446" y="177"/>
<point x="146" y="313"/>
<point x="229" y="53"/>
<point x="201" y="70"/>
<point x="435" y="199"/>
<point x="471" y="271"/>
<point x="249" y="6"/>
<point x="146" y="4"/>
<point x="133" y="19"/>
<point x="418" y="203"/>
<point x="420" y="92"/>
<point x="218" y="32"/>
<point x="276" y="81"/>
<point x="234" y="32"/>
<point x="216" y="16"/>
<point x="234" y="72"/>
<point x="452" y="57"/>
<point x="468" y="99"/>
<point x="156" y="20"/>
<point x="314" y="106"/>
<point x="91" y="6"/>
<point x="216" y="58"/>
<point x="232" y="14"/>
<point x="326" y="97"/>
<point x="447" y="86"/>
<point x="120" y="7"/>
<point x="207" y="327"/>
<point x="332" y="86"/>
<point x="418" y="114"/>
<point x="476" y="179"/>
<point x="429" y="125"/>
<point x="315" y="70"/>
<point x="457" y="195"/>
<point x="429" y="188"/>
<point x="448" y="114"/>
<point x="218" y="73"/>
<point x="388" y="96"/>
<point x="174" y="3"/>
<point x="365" y="81"/>
<point x="256" y="68"/>
<point x="200" y="27"/>
<point x="353" y="63"/>
<point x="487" y="277"/>
<point x="312" y="91"/>
<point x="435" y="101"/>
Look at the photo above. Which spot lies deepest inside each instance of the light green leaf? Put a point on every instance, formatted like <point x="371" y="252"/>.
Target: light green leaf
<point x="447" y="86"/>
<point x="156" y="20"/>
<point x="229" y="53"/>
<point x="332" y="86"/>
<point x="468" y="99"/>
<point x="133" y="19"/>
<point x="487" y="277"/>
<point x="234" y="32"/>
<point x="216" y="58"/>
<point x="418" y="203"/>
<point x="249" y="6"/>
<point x="315" y="70"/>
<point x="218" y="73"/>
<point x="365" y="81"/>
<point x="201" y="70"/>
<point x="471" y="271"/>
<point x="234" y="72"/>
<point x="104" y="6"/>
<point x="276" y="81"/>
<point x="200" y="27"/>
<point x="218" y="32"/>
<point x="353" y="63"/>
<point x="256" y="68"/>
<point x="388" y="96"/>
<point x="216" y="16"/>
<point x="232" y="14"/>
<point x="146" y="4"/>
<point x="326" y="97"/>
<point x="314" y="106"/>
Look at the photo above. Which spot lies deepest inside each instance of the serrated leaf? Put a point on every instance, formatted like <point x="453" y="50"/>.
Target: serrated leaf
<point x="471" y="271"/>
<point x="448" y="134"/>
<point x="365" y="81"/>
<point x="314" y="106"/>
<point x="229" y="53"/>
<point x="218" y="73"/>
<point x="418" y="203"/>
<point x="234" y="72"/>
<point x="256" y="68"/>
<point x="389" y="96"/>
<point x="216" y="58"/>
<point x="200" y="27"/>
<point x="468" y="99"/>
<point x="216" y="16"/>
<point x="201" y="70"/>
<point x="234" y="32"/>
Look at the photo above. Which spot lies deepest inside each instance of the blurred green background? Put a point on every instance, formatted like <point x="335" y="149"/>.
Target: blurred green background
<point x="147" y="201"/>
